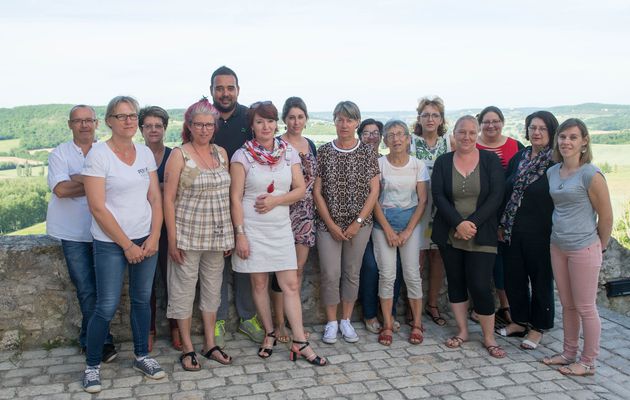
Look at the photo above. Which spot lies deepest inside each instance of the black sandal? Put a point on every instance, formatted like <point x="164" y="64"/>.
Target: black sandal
<point x="210" y="356"/>
<point x="193" y="361"/>
<point x="437" y="319"/>
<point x="502" y="316"/>
<point x="315" y="359"/>
<point x="264" y="352"/>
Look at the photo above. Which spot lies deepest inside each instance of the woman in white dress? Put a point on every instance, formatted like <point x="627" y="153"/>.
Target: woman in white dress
<point x="266" y="179"/>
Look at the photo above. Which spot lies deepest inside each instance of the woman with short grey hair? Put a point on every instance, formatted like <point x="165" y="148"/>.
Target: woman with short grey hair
<point x="345" y="192"/>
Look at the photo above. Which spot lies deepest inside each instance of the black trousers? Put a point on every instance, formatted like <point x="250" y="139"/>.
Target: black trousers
<point x="529" y="280"/>
<point x="469" y="271"/>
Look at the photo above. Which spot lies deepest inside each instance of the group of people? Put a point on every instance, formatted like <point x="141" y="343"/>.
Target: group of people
<point x="237" y="198"/>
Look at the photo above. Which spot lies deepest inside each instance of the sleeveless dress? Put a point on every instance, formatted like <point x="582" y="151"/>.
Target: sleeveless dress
<point x="302" y="212"/>
<point x="202" y="207"/>
<point x="428" y="155"/>
<point x="271" y="243"/>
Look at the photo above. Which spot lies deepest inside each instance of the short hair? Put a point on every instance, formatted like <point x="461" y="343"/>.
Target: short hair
<point x="348" y="109"/>
<point x="465" y="118"/>
<point x="550" y="121"/>
<point x="586" y="156"/>
<point x="223" y="70"/>
<point x="371" y="121"/>
<point x="73" y="109"/>
<point x="153" y="111"/>
<point x="293" y="102"/>
<point x="113" y="103"/>
<point x="438" y="103"/>
<point x="202" y="107"/>
<point x="264" y="109"/>
<point x="488" y="109"/>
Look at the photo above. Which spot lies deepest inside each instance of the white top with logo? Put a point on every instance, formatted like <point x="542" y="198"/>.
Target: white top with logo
<point x="126" y="188"/>
<point x="67" y="218"/>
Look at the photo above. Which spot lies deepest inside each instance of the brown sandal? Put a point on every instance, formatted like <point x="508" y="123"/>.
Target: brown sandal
<point x="557" y="359"/>
<point x="496" y="351"/>
<point x="570" y="370"/>
<point x="454" y="342"/>
<point x="416" y="338"/>
<point x="384" y="338"/>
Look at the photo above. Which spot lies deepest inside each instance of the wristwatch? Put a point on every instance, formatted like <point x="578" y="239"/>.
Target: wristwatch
<point x="360" y="220"/>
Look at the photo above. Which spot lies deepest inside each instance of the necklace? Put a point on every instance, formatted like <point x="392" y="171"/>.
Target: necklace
<point x="205" y="165"/>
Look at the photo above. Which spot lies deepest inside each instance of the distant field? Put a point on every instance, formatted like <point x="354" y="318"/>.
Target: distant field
<point x="613" y="154"/>
<point x="9" y="144"/>
<point x="37" y="229"/>
<point x="12" y="173"/>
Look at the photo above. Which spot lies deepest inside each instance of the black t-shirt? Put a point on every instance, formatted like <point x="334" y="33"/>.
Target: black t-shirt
<point x="233" y="132"/>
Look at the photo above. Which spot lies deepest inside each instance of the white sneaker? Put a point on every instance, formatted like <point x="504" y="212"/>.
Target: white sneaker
<point x="347" y="331"/>
<point x="330" y="332"/>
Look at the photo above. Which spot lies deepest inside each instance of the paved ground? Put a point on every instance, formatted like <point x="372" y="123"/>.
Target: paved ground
<point x="363" y="371"/>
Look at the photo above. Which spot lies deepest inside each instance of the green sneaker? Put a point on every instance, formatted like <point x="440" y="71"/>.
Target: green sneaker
<point x="251" y="327"/>
<point x="219" y="333"/>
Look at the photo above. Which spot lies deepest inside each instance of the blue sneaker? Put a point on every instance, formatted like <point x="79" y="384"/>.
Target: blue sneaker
<point x="149" y="367"/>
<point x="92" y="380"/>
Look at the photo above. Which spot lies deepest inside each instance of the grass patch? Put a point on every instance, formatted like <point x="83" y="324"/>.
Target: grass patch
<point x="37" y="229"/>
<point x="7" y="145"/>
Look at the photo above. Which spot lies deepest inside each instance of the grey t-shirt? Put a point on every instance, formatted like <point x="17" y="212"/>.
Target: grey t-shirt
<point x="574" y="219"/>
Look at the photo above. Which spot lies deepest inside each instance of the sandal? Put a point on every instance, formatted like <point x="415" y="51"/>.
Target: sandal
<point x="313" y="358"/>
<point x="210" y="356"/>
<point x="557" y="359"/>
<point x="384" y="338"/>
<point x="435" y="316"/>
<point x="529" y="343"/>
<point x="193" y="361"/>
<point x="265" y="352"/>
<point x="416" y="338"/>
<point x="504" y="331"/>
<point x="496" y="351"/>
<point x="372" y="325"/>
<point x="282" y="338"/>
<point x="570" y="370"/>
<point x="454" y="342"/>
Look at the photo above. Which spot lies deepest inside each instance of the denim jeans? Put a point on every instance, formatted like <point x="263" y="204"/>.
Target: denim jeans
<point x="368" y="284"/>
<point x="80" y="261"/>
<point x="110" y="264"/>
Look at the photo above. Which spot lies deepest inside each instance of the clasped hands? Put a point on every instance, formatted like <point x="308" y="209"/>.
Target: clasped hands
<point x="466" y="230"/>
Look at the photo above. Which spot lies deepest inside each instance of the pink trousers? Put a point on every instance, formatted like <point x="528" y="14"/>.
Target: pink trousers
<point x="576" y="273"/>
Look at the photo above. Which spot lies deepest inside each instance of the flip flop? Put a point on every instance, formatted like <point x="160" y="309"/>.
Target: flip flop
<point x="193" y="361"/>
<point x="210" y="356"/>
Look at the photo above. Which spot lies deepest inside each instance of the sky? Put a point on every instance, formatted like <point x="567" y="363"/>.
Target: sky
<point x="384" y="55"/>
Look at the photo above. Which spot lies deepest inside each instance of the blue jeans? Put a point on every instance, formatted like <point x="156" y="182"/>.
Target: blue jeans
<point x="110" y="264"/>
<point x="368" y="283"/>
<point x="80" y="261"/>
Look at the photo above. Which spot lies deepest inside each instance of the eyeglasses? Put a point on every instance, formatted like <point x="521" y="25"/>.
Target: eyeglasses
<point x="540" y="129"/>
<point x="87" y="121"/>
<point x="260" y="103"/>
<point x="493" y="122"/>
<point x="124" y="117"/>
<point x="396" y="135"/>
<point x="200" y="125"/>
<point x="430" y="115"/>
<point x="373" y="134"/>
<point x="149" y="127"/>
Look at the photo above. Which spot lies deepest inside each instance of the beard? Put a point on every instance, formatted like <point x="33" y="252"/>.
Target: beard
<point x="222" y="108"/>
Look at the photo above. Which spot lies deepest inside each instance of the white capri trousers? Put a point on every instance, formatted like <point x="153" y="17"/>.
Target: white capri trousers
<point x="205" y="266"/>
<point x="386" y="261"/>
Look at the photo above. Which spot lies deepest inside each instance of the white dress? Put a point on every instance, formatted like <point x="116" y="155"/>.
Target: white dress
<point x="271" y="243"/>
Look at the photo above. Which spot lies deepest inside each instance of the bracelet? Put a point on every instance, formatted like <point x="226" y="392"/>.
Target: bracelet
<point x="239" y="230"/>
<point x="128" y="248"/>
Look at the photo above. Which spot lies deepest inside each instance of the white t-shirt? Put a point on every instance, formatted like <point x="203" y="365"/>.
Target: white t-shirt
<point x="67" y="218"/>
<point x="126" y="189"/>
<point x="398" y="184"/>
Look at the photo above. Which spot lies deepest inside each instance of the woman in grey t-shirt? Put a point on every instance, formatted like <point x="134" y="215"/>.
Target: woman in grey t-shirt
<point x="582" y="223"/>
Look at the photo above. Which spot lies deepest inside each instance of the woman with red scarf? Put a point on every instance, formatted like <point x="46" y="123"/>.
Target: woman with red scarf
<point x="266" y="179"/>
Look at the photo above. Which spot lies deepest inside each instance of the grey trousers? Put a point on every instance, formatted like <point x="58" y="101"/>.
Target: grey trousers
<point x="242" y="293"/>
<point x="340" y="265"/>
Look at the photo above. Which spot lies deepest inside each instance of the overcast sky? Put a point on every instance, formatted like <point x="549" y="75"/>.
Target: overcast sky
<point x="383" y="54"/>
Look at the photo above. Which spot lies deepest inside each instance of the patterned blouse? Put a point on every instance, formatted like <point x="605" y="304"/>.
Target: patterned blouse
<point x="302" y="212"/>
<point x="345" y="176"/>
<point x="424" y="152"/>
<point x="202" y="207"/>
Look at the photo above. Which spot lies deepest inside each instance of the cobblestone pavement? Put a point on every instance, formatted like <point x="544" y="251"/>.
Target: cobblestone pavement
<point x="365" y="370"/>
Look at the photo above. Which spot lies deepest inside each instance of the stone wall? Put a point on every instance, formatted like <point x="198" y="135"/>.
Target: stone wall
<point x="38" y="305"/>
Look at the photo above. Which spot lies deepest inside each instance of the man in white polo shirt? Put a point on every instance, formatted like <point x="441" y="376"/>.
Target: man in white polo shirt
<point x="69" y="218"/>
